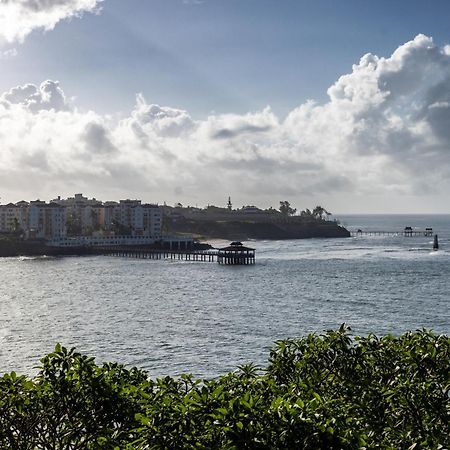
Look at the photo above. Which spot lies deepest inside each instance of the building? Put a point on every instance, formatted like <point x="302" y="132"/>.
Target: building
<point x="134" y="218"/>
<point x="147" y="220"/>
<point x="80" y="216"/>
<point x="83" y="215"/>
<point x="251" y="210"/>
<point x="45" y="221"/>
<point x="13" y="218"/>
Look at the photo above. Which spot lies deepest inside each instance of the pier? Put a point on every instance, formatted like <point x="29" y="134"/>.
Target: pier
<point x="182" y="255"/>
<point x="406" y="232"/>
<point x="234" y="254"/>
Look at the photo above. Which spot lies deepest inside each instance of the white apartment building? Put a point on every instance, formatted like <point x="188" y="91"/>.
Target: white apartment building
<point x="81" y="216"/>
<point x="46" y="220"/>
<point x="142" y="220"/>
<point x="123" y="217"/>
<point x="13" y="218"/>
<point x="152" y="220"/>
<point x="126" y="216"/>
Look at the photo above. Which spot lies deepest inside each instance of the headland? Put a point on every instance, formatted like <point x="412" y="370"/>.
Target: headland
<point x="251" y="223"/>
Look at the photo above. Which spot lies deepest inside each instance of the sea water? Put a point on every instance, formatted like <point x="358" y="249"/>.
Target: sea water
<point x="170" y="317"/>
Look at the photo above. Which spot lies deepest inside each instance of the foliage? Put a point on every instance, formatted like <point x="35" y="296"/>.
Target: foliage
<point x="120" y="229"/>
<point x="73" y="225"/>
<point x="320" y="213"/>
<point x="286" y="209"/>
<point x="319" y="392"/>
<point x="17" y="229"/>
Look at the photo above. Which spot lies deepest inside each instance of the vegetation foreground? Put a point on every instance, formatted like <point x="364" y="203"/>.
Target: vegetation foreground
<point x="331" y="391"/>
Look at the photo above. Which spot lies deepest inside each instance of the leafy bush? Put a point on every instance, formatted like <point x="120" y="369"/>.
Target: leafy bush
<point x="319" y="392"/>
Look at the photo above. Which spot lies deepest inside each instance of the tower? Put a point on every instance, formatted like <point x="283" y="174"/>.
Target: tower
<point x="229" y="204"/>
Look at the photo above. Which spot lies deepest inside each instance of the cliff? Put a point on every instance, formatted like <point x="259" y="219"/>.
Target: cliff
<point x="242" y="230"/>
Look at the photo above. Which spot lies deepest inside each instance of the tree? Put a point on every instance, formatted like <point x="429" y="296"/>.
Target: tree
<point x="328" y="391"/>
<point x="320" y="213"/>
<point x="17" y="229"/>
<point x="286" y="210"/>
<point x="120" y="229"/>
<point x="73" y="224"/>
<point x="306" y="213"/>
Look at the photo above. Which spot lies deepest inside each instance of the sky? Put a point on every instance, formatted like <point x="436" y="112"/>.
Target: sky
<point x="344" y="104"/>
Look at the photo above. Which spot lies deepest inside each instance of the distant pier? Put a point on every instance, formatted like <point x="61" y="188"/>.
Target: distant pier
<point x="406" y="232"/>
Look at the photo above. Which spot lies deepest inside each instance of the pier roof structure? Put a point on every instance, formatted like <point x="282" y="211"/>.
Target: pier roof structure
<point x="236" y="254"/>
<point x="236" y="247"/>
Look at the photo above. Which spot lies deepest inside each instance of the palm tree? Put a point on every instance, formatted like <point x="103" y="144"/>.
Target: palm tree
<point x="320" y="213"/>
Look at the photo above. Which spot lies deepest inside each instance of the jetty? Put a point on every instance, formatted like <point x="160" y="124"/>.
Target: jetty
<point x="406" y="232"/>
<point x="234" y="254"/>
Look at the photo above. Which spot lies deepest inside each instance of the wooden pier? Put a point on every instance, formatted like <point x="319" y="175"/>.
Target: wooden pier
<point x="235" y="254"/>
<point x="406" y="232"/>
<point x="182" y="255"/>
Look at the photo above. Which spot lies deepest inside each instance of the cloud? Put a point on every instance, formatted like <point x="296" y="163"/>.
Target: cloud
<point x="231" y="125"/>
<point x="8" y="54"/>
<point x="18" y="18"/>
<point x="159" y="120"/>
<point x="383" y="113"/>
<point x="97" y="139"/>
<point x="48" y="96"/>
<point x="384" y="129"/>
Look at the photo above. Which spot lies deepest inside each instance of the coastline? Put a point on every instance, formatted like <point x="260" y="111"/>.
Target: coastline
<point x="202" y="231"/>
<point x="240" y="230"/>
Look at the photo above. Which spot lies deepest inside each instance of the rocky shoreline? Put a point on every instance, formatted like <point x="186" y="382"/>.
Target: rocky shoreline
<point x="240" y="230"/>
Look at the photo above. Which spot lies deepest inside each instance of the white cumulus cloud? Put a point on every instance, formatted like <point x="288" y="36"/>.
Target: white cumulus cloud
<point x="48" y="96"/>
<point x="385" y="128"/>
<point x="18" y="18"/>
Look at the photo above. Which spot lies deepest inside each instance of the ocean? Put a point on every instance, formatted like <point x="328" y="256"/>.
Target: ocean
<point x="172" y="317"/>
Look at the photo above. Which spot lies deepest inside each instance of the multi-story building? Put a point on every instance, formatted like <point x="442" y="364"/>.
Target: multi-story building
<point x="109" y="215"/>
<point x="46" y="220"/>
<point x="84" y="215"/>
<point x="152" y="220"/>
<point x="81" y="216"/>
<point x="139" y="219"/>
<point x="13" y="217"/>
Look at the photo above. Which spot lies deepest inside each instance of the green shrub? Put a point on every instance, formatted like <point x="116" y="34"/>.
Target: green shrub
<point x="319" y="392"/>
